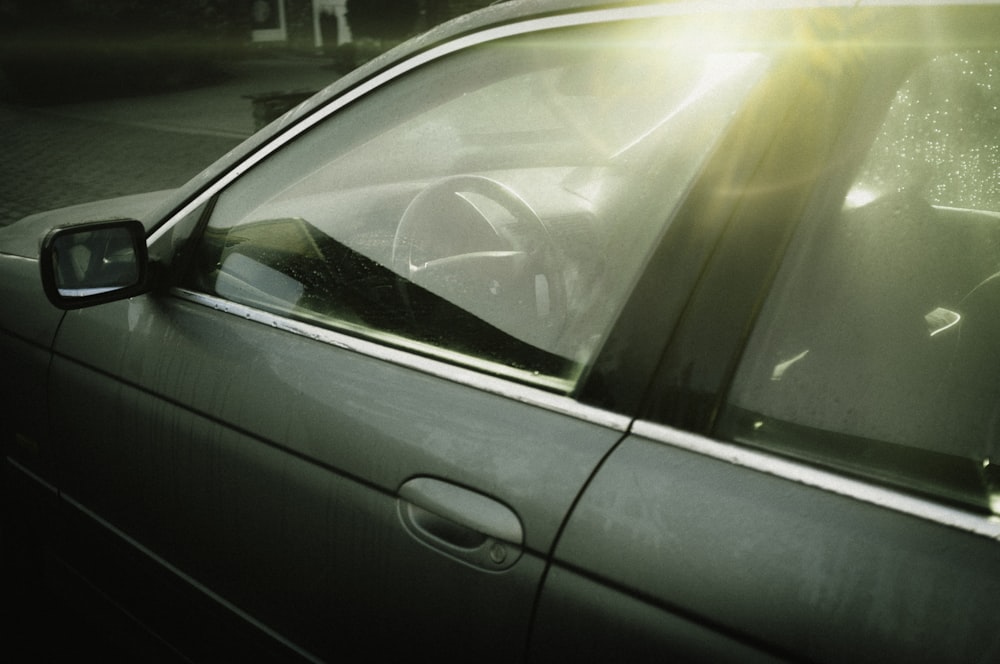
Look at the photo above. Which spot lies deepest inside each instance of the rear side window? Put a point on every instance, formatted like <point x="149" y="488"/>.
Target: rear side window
<point x="879" y="350"/>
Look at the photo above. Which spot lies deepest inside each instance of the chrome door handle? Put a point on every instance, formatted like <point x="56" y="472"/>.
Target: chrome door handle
<point x="461" y="523"/>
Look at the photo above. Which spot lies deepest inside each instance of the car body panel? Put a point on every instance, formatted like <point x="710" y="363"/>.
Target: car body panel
<point x="800" y="571"/>
<point x="23" y="238"/>
<point x="28" y="323"/>
<point x="221" y="430"/>
<point x="26" y="319"/>
<point x="582" y="618"/>
<point x="28" y="326"/>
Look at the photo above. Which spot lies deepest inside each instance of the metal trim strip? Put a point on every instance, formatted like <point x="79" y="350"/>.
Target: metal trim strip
<point x="558" y="403"/>
<point x="928" y="510"/>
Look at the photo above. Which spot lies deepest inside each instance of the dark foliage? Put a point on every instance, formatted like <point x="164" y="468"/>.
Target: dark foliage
<point x="383" y="19"/>
<point x="56" y="50"/>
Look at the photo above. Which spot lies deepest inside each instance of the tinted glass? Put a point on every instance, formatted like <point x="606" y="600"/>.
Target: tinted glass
<point x="492" y="208"/>
<point x="879" y="351"/>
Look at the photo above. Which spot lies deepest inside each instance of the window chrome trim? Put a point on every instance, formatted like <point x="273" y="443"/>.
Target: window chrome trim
<point x="982" y="525"/>
<point x="526" y="394"/>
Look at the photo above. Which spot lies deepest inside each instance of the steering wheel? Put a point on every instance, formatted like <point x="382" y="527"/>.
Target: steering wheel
<point x="475" y="242"/>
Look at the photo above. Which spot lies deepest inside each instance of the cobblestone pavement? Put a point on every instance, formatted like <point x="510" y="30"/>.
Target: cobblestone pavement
<point x="49" y="161"/>
<point x="61" y="155"/>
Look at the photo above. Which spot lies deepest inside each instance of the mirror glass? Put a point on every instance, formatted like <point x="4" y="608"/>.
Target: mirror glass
<point x="94" y="261"/>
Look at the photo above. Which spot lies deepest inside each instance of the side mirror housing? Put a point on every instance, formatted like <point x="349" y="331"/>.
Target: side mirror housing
<point x="94" y="263"/>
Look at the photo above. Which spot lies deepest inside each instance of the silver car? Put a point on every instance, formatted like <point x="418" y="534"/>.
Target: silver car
<point x="661" y="331"/>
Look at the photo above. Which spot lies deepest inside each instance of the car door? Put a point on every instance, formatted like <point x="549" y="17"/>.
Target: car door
<point x="348" y="417"/>
<point x="822" y="488"/>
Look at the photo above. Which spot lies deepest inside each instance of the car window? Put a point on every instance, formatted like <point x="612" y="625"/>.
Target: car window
<point x="879" y="350"/>
<point x="491" y="208"/>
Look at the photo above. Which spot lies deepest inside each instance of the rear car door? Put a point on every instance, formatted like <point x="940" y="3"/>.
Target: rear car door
<point x="351" y="422"/>
<point x="813" y="476"/>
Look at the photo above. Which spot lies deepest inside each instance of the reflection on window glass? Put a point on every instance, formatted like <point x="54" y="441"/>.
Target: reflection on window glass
<point x="943" y="135"/>
<point x="492" y="208"/>
<point x="879" y="350"/>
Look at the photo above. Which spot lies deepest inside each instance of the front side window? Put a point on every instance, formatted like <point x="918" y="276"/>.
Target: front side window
<point x="492" y="208"/>
<point x="879" y="351"/>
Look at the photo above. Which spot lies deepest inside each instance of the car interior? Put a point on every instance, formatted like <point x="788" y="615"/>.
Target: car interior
<point x="505" y="198"/>
<point x="880" y="347"/>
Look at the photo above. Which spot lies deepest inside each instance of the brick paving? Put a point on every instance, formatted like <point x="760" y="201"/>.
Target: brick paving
<point x="61" y="155"/>
<point x="49" y="161"/>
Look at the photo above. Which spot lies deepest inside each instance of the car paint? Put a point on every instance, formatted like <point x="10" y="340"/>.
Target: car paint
<point x="29" y="331"/>
<point x="332" y="460"/>
<point x="641" y="540"/>
<point x="23" y="238"/>
<point x="756" y="552"/>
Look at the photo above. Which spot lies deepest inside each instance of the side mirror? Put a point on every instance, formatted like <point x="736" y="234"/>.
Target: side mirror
<point x="94" y="263"/>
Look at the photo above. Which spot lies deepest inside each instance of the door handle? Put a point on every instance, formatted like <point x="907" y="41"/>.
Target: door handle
<point x="461" y="523"/>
